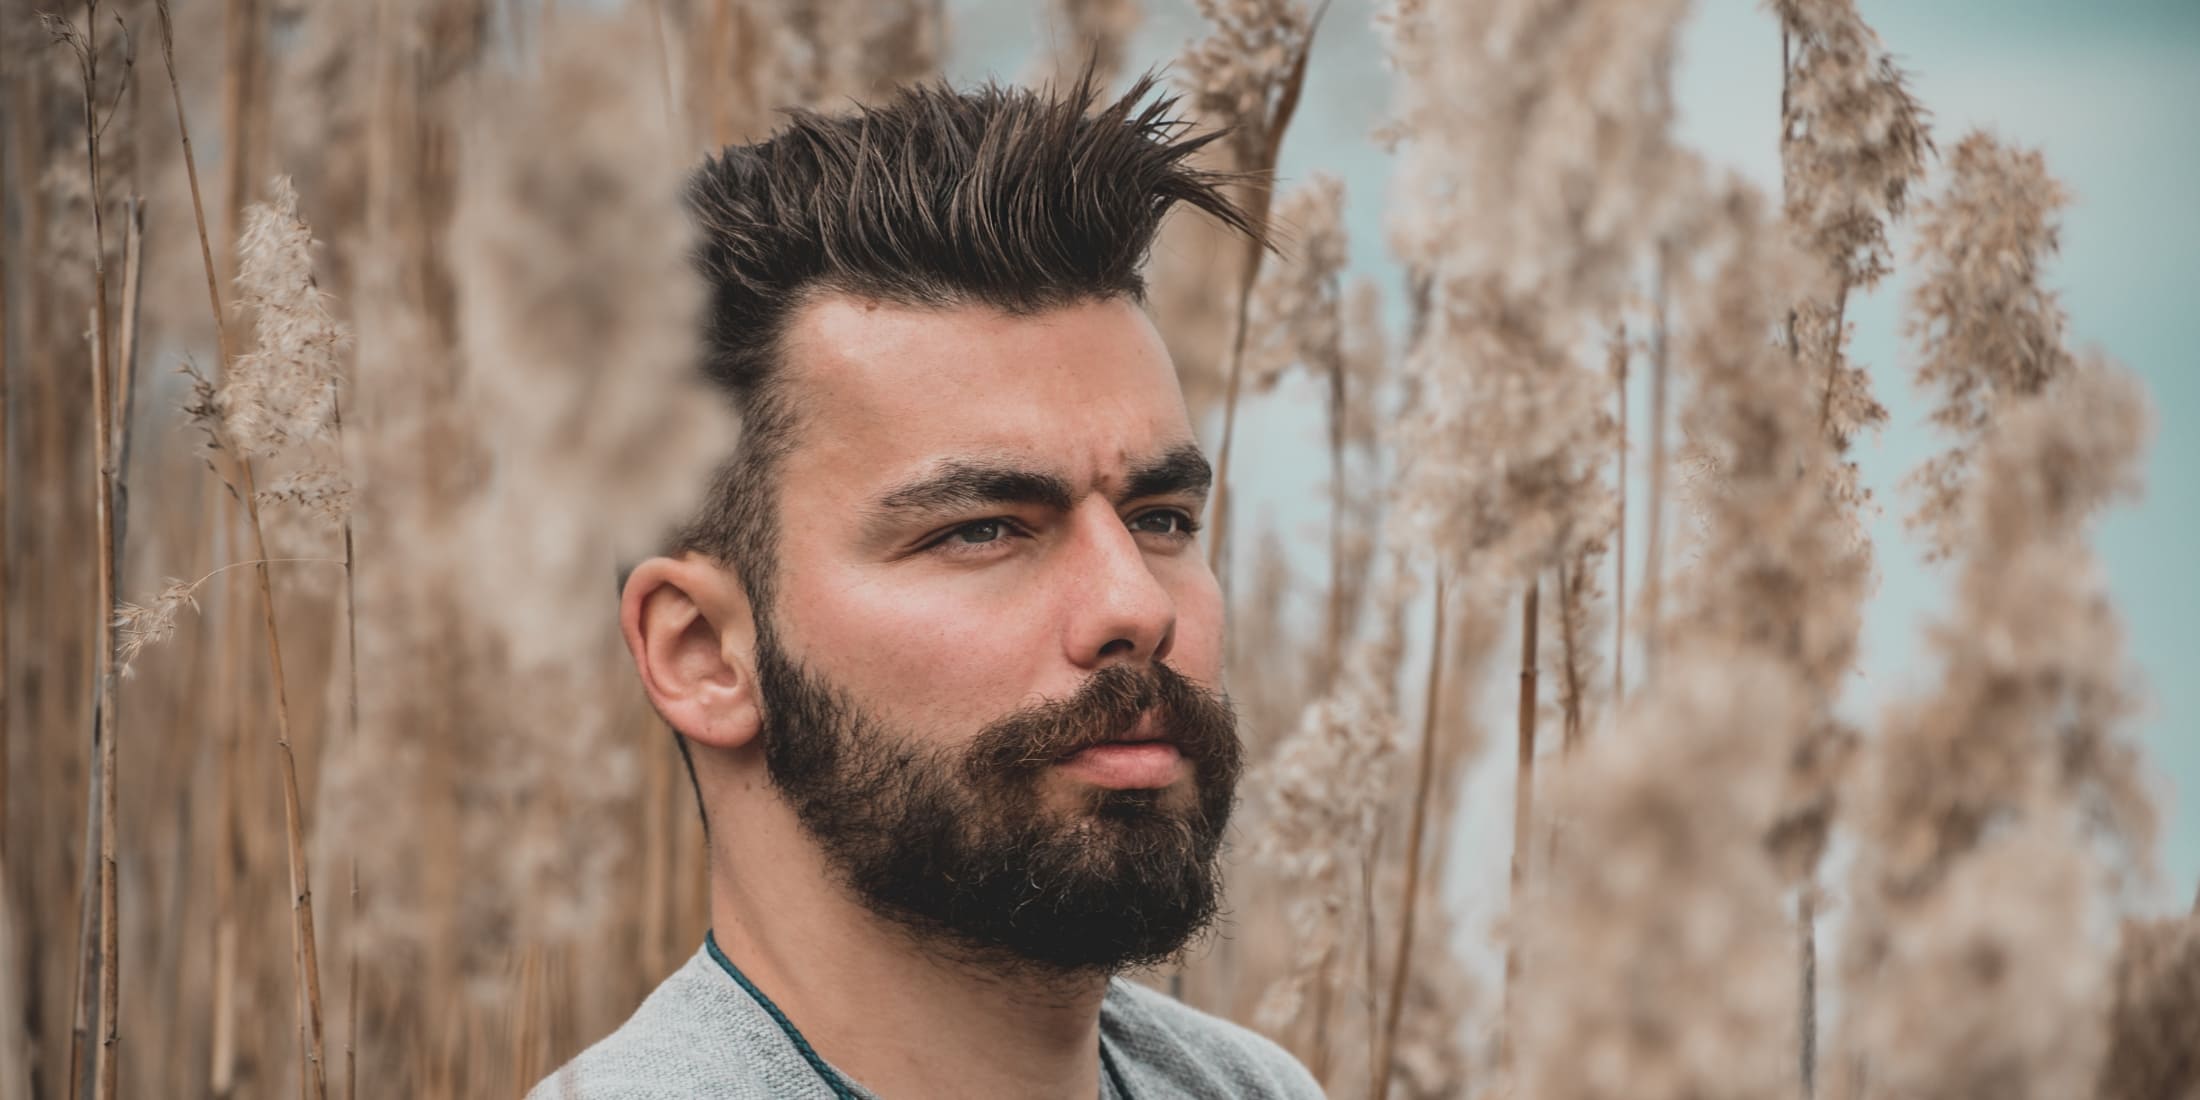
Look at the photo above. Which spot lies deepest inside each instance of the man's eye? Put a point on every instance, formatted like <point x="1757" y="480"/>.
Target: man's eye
<point x="983" y="531"/>
<point x="969" y="537"/>
<point x="1167" y="522"/>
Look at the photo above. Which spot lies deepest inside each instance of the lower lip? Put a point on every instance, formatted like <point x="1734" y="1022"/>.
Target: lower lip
<point x="1126" y="765"/>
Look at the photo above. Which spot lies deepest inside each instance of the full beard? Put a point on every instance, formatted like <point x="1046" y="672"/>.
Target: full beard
<point x="958" y="843"/>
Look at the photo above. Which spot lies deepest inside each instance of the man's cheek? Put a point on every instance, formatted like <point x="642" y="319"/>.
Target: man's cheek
<point x="943" y="664"/>
<point x="1197" y="652"/>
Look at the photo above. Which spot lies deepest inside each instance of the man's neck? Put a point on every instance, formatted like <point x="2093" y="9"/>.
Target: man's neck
<point x="905" y="1022"/>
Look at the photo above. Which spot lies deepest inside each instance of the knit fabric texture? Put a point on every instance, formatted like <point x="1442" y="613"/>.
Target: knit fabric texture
<point x="699" y="1036"/>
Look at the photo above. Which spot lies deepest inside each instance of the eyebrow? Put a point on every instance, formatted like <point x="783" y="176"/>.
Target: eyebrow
<point x="1182" y="470"/>
<point x="963" y="483"/>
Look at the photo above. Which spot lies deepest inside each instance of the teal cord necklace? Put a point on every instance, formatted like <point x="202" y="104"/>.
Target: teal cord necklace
<point x="841" y="1089"/>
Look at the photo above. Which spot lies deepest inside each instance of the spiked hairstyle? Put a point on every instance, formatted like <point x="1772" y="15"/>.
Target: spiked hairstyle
<point x="1005" y="197"/>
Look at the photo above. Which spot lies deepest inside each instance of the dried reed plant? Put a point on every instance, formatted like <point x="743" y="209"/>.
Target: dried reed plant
<point x="1655" y="963"/>
<point x="1853" y="145"/>
<point x="1246" y="74"/>
<point x="1988" y="329"/>
<point x="1321" y="797"/>
<point x="2157" y="996"/>
<point x="277" y="403"/>
<point x="100" y="962"/>
<point x="1300" y="319"/>
<point x="1535" y="170"/>
<point x="581" y="352"/>
<point x="1987" y="796"/>
<point x="1089" y="31"/>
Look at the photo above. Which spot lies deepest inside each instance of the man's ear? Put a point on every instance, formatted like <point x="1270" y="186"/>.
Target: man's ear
<point x="689" y="626"/>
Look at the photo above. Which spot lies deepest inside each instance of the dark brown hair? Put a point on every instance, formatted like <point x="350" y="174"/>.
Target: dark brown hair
<point x="1007" y="197"/>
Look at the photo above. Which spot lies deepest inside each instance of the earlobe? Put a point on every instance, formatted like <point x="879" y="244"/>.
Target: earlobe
<point x="689" y="628"/>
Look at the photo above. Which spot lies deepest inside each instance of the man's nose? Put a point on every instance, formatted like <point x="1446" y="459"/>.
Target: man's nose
<point x="1119" y="612"/>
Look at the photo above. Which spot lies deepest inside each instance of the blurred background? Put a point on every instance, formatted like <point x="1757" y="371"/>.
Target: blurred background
<point x="501" y="847"/>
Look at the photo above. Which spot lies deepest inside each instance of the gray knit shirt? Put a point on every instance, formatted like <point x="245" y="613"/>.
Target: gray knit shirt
<point x="700" y="1036"/>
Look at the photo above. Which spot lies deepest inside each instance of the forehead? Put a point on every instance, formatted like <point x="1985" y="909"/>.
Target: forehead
<point x="886" y="390"/>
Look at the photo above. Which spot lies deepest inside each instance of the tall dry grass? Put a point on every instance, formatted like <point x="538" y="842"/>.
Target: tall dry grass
<point x="386" y="681"/>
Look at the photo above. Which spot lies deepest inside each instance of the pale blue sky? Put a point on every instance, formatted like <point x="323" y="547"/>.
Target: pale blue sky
<point x="2105" y="89"/>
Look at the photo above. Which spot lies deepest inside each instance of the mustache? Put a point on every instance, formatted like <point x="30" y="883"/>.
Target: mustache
<point x="1106" y="707"/>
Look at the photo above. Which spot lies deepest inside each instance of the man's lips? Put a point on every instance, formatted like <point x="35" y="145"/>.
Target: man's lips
<point x="1126" y="765"/>
<point x="1140" y="757"/>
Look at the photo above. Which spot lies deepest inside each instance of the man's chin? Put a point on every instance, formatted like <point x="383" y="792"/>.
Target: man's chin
<point x="1071" y="800"/>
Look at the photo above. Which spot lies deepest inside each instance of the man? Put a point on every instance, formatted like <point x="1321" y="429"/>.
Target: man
<point x="942" y="650"/>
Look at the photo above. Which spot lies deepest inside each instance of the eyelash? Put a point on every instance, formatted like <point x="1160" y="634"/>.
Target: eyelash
<point x="1187" y="525"/>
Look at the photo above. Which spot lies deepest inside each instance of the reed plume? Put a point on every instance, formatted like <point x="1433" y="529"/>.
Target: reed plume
<point x="1508" y="432"/>
<point x="2157" y="998"/>
<point x="1853" y="145"/>
<point x="1297" y="308"/>
<point x="1987" y="328"/>
<point x="1990" y="799"/>
<point x="276" y="402"/>
<point x="1246" y="74"/>
<point x="1654" y="965"/>
<point x="282" y="394"/>
<point x="1854" y="141"/>
<point x="1771" y="567"/>
<point x="1322" y="797"/>
<point x="1302" y="320"/>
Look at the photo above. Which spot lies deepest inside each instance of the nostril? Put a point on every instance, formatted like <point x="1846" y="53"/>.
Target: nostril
<point x="1119" y="645"/>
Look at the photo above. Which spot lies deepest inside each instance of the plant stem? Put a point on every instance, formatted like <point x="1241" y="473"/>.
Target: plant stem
<point x="1806" y="925"/>
<point x="1325" y="985"/>
<point x="87" y="938"/>
<point x="1654" y="556"/>
<point x="240" y="84"/>
<point x="301" y="886"/>
<point x="351" y="743"/>
<point x="351" y="989"/>
<point x="1833" y="369"/>
<point x="125" y="395"/>
<point x="1256" y="249"/>
<point x="191" y="173"/>
<point x="1219" y="509"/>
<point x="1523" y="798"/>
<point x="1787" y="83"/>
<point x="86" y="46"/>
<point x="1619" y="558"/>
<point x="243" y="20"/>
<point x="6" y="383"/>
<point x="1409" y="897"/>
<point x="1806" y="901"/>
<point x="1370" y="961"/>
<point x="15" y="1036"/>
<point x="664" y="67"/>
<point x="1333" y="626"/>
<point x="1570" y="597"/>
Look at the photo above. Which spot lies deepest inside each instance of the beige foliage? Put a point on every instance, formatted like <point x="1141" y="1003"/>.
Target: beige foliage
<point x="1987" y="327"/>
<point x="2154" y="1031"/>
<point x="1658" y="954"/>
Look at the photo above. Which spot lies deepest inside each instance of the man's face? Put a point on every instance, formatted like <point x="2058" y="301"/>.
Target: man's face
<point x="987" y="594"/>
